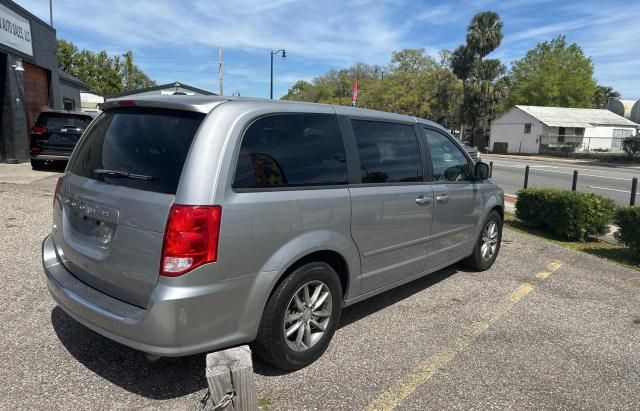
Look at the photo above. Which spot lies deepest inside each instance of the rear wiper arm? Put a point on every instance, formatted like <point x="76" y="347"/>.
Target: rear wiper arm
<point x="118" y="173"/>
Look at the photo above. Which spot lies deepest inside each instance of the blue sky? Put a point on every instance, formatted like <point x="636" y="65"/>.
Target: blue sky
<point x="179" y="40"/>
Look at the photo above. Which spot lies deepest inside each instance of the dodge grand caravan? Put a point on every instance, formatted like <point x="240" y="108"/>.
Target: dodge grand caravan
<point x="188" y="224"/>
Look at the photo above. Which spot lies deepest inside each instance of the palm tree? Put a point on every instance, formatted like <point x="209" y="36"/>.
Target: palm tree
<point x="482" y="79"/>
<point x="484" y="33"/>
<point x="602" y="96"/>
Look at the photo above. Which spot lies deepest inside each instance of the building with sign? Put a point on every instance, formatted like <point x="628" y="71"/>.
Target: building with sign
<point x="29" y="81"/>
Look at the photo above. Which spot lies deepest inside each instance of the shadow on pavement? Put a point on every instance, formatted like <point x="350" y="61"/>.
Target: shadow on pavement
<point x="127" y="368"/>
<point x="177" y="377"/>
<point x="372" y="305"/>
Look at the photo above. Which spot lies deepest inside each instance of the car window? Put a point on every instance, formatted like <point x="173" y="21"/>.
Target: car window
<point x="448" y="161"/>
<point x="149" y="142"/>
<point x="389" y="153"/>
<point x="287" y="150"/>
<point x="60" y="120"/>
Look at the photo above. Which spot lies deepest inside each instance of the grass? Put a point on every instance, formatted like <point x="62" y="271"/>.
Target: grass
<point x="264" y="403"/>
<point x="616" y="253"/>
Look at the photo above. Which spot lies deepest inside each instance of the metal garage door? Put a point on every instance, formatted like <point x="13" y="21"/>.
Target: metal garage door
<point x="36" y="91"/>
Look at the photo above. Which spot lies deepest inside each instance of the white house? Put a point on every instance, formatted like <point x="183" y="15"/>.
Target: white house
<point x="535" y="129"/>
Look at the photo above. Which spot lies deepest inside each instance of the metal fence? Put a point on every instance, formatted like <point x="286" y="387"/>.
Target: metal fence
<point x="559" y="143"/>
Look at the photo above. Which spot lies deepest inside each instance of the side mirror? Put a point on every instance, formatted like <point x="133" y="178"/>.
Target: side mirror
<point x="482" y="171"/>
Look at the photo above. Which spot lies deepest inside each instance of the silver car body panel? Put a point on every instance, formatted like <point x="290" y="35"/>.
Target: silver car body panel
<point x="383" y="236"/>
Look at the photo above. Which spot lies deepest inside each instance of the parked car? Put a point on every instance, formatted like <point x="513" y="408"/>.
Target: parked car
<point x="189" y="224"/>
<point x="55" y="135"/>
<point x="473" y="152"/>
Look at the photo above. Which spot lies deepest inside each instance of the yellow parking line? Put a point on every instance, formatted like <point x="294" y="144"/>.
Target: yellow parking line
<point x="389" y="399"/>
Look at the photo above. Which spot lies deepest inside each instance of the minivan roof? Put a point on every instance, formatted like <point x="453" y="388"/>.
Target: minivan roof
<point x="204" y="104"/>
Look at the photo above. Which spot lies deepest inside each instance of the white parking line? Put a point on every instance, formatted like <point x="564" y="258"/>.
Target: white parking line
<point x="539" y="168"/>
<point x="609" y="189"/>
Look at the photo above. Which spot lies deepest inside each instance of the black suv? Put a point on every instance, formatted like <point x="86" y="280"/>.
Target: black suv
<point x="55" y="134"/>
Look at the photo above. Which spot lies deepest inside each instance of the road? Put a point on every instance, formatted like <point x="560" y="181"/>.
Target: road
<point x="610" y="182"/>
<point x="544" y="328"/>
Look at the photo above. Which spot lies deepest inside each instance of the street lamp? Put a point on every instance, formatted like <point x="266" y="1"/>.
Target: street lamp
<point x="284" y="56"/>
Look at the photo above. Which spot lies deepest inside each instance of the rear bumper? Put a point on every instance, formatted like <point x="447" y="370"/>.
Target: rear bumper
<point x="177" y="321"/>
<point x="54" y="157"/>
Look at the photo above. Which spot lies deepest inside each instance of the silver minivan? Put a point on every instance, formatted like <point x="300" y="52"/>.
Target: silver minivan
<point x="189" y="224"/>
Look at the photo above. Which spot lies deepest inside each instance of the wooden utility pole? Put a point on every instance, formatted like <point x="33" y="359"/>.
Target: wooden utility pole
<point x="220" y="70"/>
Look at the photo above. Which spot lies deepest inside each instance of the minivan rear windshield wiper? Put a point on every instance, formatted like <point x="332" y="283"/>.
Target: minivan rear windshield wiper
<point x="118" y="173"/>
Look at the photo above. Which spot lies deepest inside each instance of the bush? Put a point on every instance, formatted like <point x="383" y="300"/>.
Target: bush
<point x="628" y="219"/>
<point x="565" y="214"/>
<point x="631" y="146"/>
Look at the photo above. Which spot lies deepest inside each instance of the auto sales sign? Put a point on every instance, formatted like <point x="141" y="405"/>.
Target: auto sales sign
<point x="15" y="31"/>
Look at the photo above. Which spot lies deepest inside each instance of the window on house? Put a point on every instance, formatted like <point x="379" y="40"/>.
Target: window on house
<point x="527" y="128"/>
<point x="69" y="104"/>
<point x="561" y="133"/>
<point x="579" y="132"/>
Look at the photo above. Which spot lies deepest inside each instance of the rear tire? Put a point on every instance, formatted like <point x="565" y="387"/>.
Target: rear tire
<point x="37" y="164"/>
<point x="487" y="245"/>
<point x="287" y="308"/>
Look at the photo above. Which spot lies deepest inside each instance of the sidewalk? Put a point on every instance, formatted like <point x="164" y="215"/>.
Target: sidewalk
<point x="561" y="160"/>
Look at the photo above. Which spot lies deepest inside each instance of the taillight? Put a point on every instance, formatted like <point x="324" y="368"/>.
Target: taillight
<point x="57" y="191"/>
<point x="38" y="130"/>
<point x="190" y="239"/>
<point x="36" y="149"/>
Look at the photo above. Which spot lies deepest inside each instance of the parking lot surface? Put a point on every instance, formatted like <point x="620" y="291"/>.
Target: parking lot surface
<point x="544" y="328"/>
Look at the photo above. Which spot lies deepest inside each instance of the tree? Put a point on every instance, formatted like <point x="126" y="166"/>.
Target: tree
<point x="602" y="96"/>
<point x="554" y="73"/>
<point x="484" y="82"/>
<point x="414" y="83"/>
<point x="103" y="73"/>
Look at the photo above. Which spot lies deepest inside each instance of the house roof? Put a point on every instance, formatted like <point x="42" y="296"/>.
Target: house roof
<point x="162" y="87"/>
<point x="64" y="76"/>
<point x="576" y="117"/>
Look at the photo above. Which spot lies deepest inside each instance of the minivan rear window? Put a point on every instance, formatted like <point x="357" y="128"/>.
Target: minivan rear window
<point x="148" y="145"/>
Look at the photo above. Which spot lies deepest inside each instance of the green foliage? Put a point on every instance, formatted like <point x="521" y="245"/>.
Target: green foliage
<point x="602" y="96"/>
<point x="628" y="219"/>
<point x="631" y="146"/>
<point x="565" y="214"/>
<point x="414" y="83"/>
<point x="484" y="33"/>
<point x="103" y="73"/>
<point x="553" y="74"/>
<point x="484" y="83"/>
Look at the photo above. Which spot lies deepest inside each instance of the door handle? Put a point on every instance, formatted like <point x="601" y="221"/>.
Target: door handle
<point x="442" y="198"/>
<point x="422" y="200"/>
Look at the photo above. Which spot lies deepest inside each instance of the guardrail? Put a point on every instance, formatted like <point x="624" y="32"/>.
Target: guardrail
<point x="574" y="183"/>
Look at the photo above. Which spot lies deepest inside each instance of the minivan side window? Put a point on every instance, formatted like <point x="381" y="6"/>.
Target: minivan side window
<point x="389" y="152"/>
<point x="291" y="150"/>
<point x="448" y="161"/>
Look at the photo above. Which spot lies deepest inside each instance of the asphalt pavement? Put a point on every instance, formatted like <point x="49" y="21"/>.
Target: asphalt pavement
<point x="546" y="327"/>
<point x="610" y="182"/>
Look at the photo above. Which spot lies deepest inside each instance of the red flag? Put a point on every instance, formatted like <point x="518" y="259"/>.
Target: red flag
<point x="354" y="95"/>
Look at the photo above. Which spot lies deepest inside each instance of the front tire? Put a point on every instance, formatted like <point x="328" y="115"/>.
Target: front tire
<point x="487" y="246"/>
<point x="300" y="317"/>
